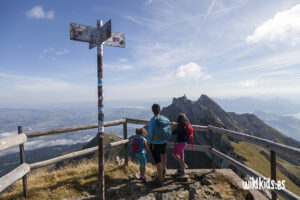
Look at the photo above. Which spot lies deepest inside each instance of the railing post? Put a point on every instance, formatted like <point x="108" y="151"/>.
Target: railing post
<point x="273" y="172"/>
<point x="212" y="146"/>
<point x="22" y="160"/>
<point x="126" y="145"/>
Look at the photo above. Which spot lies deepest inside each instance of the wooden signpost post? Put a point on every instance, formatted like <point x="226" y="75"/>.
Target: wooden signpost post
<point x="96" y="37"/>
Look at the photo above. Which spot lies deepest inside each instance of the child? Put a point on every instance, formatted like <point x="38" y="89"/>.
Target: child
<point x="181" y="131"/>
<point x="139" y="148"/>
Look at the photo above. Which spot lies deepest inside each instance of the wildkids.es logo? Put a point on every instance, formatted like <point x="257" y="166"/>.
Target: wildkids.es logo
<point x="263" y="183"/>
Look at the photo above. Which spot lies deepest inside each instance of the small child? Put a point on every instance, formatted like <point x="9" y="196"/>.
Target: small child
<point x="181" y="131"/>
<point x="139" y="148"/>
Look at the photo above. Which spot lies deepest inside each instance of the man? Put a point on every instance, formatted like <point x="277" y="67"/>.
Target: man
<point x="158" y="142"/>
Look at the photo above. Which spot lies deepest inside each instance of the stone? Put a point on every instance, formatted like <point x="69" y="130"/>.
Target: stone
<point x="205" y="181"/>
<point x="184" y="194"/>
<point x="218" y="195"/>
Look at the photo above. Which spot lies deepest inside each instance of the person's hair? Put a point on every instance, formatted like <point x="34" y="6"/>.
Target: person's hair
<point x="156" y="109"/>
<point x="141" y="131"/>
<point x="182" y="119"/>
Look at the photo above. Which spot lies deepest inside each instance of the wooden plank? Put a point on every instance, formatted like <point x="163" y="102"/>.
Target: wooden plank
<point x="190" y="147"/>
<point x="211" y="147"/>
<point x="22" y="160"/>
<point x="137" y="121"/>
<point x="74" y="155"/>
<point x="145" y="122"/>
<point x="200" y="128"/>
<point x="126" y="145"/>
<point x="114" y="144"/>
<point x="283" y="192"/>
<point x="13" y="176"/>
<point x="273" y="171"/>
<point x="73" y="128"/>
<point x="272" y="146"/>
<point x="11" y="141"/>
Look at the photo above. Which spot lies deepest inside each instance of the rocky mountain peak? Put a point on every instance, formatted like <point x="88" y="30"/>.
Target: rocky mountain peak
<point x="204" y="98"/>
<point x="210" y="103"/>
<point x="181" y="100"/>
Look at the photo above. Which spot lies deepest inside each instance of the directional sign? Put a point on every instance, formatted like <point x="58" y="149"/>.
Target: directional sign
<point x="83" y="33"/>
<point x="105" y="32"/>
<point x="94" y="36"/>
<point x="117" y="39"/>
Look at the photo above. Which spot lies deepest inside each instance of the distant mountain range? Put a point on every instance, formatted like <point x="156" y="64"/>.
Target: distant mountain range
<point x="242" y="105"/>
<point x="288" y="125"/>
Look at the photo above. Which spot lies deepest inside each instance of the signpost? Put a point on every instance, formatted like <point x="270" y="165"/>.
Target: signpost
<point x="96" y="37"/>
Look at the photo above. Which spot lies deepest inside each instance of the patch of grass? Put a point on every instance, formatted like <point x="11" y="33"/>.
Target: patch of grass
<point x="71" y="181"/>
<point x="255" y="160"/>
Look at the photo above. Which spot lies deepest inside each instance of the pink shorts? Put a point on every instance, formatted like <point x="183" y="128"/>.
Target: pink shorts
<point x="179" y="149"/>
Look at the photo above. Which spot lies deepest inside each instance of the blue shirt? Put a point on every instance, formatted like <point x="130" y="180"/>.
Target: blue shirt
<point x="151" y="132"/>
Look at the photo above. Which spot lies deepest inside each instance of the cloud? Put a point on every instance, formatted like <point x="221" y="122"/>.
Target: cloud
<point x="7" y="134"/>
<point x="209" y="9"/>
<point x="123" y="60"/>
<point x="149" y="2"/>
<point x="283" y="27"/>
<point x="65" y="51"/>
<point x="248" y="83"/>
<point x="49" y="142"/>
<point x="191" y="70"/>
<point x="271" y="62"/>
<point x="133" y="19"/>
<point x="121" y="65"/>
<point x="38" y="12"/>
<point x="48" y="50"/>
<point x="35" y="84"/>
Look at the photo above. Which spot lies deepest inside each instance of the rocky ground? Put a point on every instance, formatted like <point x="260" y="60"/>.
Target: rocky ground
<point x="197" y="184"/>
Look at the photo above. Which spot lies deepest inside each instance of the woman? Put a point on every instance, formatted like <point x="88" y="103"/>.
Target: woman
<point x="182" y="136"/>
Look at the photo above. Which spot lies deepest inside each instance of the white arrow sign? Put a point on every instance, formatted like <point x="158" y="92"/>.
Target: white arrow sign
<point x="90" y="34"/>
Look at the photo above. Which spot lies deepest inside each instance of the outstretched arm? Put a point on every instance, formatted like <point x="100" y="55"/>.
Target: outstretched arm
<point x="150" y="131"/>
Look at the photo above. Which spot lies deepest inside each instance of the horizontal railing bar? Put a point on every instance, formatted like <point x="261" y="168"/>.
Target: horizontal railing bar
<point x="190" y="147"/>
<point x="137" y="121"/>
<point x="73" y="128"/>
<point x="285" y="193"/>
<point x="145" y="122"/>
<point x="11" y="141"/>
<point x="200" y="128"/>
<point x="274" y="146"/>
<point x="13" y="176"/>
<point x="74" y="154"/>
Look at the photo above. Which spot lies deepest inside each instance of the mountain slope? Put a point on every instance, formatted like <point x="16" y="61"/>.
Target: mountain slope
<point x="288" y="125"/>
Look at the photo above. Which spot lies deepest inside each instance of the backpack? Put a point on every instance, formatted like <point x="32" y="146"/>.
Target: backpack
<point x="162" y="128"/>
<point x="189" y="131"/>
<point x="137" y="145"/>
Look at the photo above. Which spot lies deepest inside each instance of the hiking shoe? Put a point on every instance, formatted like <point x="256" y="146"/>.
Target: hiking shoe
<point x="157" y="183"/>
<point x="180" y="172"/>
<point x="186" y="166"/>
<point x="164" y="172"/>
<point x="143" y="179"/>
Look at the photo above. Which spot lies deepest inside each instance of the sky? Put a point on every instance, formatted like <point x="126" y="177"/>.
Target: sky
<point x="224" y="49"/>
